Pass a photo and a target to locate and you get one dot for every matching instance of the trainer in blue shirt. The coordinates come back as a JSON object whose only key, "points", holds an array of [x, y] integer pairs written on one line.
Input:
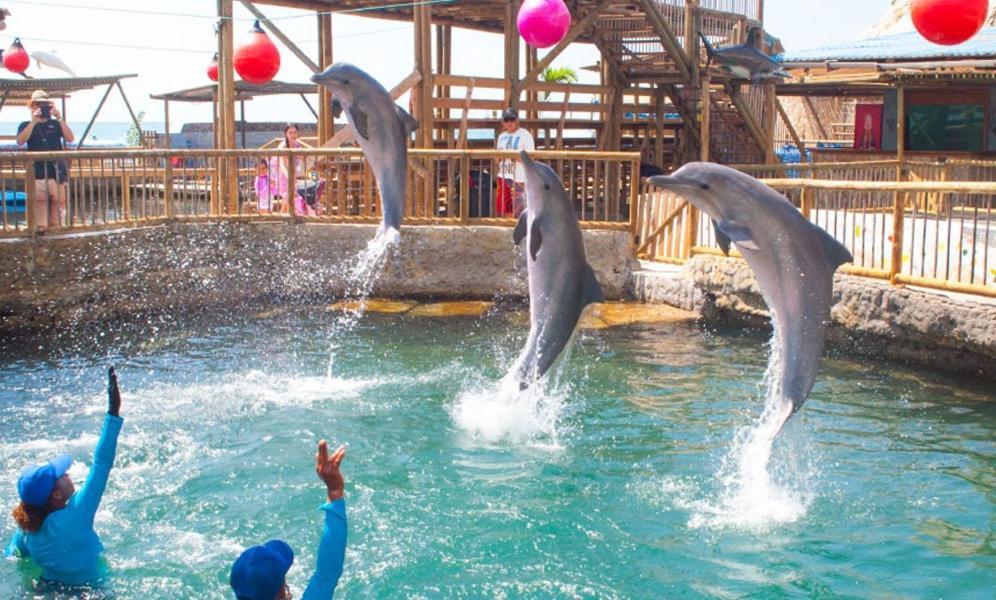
{"points": [[260, 572], [55, 523]]}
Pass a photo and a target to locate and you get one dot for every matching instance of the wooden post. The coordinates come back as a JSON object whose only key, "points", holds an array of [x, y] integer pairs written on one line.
{"points": [[227, 175], [659, 123], [806, 202], [423, 95], [512, 52], [166, 115], [770, 99], [692, 38], [168, 188], [326, 120], [532, 97], [464, 188], [29, 196], [634, 201], [705, 110], [899, 198], [291, 185]]}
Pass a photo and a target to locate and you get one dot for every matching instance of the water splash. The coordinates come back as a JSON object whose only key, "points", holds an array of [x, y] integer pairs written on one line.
{"points": [[359, 276], [756, 487]]}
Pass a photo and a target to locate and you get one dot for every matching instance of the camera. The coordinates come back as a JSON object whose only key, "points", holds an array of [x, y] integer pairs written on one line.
{"points": [[46, 110]]}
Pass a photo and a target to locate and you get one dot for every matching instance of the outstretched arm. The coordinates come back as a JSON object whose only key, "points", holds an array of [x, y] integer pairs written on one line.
{"points": [[332, 548], [88, 498]]}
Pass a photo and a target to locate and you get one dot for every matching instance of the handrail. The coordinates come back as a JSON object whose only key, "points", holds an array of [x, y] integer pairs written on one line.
{"points": [[298, 152]]}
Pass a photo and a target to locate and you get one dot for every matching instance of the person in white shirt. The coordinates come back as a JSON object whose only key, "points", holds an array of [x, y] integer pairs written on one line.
{"points": [[511, 200]]}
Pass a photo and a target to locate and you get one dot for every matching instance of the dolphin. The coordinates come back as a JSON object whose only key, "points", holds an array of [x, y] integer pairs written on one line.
{"points": [[561, 283], [793, 260], [382, 129], [744, 61], [49, 59]]}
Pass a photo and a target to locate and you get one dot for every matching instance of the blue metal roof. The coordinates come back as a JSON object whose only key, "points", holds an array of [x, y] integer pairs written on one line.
{"points": [[901, 46]]}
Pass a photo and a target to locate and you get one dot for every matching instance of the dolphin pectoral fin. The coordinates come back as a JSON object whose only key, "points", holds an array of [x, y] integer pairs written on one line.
{"points": [[721, 239], [737, 233], [592, 290], [521, 228], [535, 239], [408, 122], [359, 119], [835, 252]]}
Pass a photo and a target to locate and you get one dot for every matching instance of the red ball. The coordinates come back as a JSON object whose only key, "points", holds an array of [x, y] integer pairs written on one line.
{"points": [[543, 23], [16, 58], [212, 69], [949, 22], [257, 59]]}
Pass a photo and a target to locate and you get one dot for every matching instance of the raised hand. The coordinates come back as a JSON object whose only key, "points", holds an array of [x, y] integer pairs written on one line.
{"points": [[113, 395], [327, 468]]}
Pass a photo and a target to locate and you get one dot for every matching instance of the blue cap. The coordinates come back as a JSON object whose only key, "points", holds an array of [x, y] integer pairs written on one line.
{"points": [[37, 481], [259, 573]]}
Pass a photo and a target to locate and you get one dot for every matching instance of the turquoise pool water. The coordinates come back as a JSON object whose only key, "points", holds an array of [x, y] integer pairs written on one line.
{"points": [[626, 480]]}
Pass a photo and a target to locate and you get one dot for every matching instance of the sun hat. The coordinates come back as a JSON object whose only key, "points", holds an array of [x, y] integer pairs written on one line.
{"points": [[40, 96], [37, 481], [260, 572]]}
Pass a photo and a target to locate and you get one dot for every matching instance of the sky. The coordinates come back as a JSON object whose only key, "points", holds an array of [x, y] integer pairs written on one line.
{"points": [[169, 43]]}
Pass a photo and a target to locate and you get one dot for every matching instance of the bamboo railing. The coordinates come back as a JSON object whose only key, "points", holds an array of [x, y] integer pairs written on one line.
{"points": [[938, 233], [112, 188]]}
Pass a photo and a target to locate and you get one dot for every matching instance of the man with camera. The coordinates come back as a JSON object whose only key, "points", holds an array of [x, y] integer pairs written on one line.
{"points": [[45, 133]]}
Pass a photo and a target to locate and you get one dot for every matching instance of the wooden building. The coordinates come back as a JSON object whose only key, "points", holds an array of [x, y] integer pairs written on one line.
{"points": [[654, 94]]}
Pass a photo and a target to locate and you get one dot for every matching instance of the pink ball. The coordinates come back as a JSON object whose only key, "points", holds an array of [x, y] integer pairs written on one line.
{"points": [[543, 23]]}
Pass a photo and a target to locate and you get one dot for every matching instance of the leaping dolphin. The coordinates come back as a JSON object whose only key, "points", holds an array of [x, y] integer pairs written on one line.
{"points": [[382, 129], [745, 61], [561, 283], [793, 260], [49, 59]]}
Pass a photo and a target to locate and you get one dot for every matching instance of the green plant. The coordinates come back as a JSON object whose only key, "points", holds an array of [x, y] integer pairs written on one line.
{"points": [[559, 75], [134, 136]]}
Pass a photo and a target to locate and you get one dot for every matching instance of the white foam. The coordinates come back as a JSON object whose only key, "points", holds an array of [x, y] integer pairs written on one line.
{"points": [[500, 411]]}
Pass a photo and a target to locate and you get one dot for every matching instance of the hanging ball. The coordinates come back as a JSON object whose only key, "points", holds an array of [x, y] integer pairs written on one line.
{"points": [[212, 68], [16, 58], [257, 59], [949, 22], [544, 23]]}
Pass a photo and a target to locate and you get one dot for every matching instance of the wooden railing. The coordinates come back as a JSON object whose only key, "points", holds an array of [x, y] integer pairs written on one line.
{"points": [[135, 187], [938, 234]]}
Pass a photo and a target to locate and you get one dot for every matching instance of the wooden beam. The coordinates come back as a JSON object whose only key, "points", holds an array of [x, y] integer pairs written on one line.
{"points": [[574, 33], [791, 129], [423, 64], [768, 128], [815, 116], [512, 46], [705, 110], [227, 171], [304, 58], [93, 119], [462, 140], [748, 118], [668, 39], [326, 120], [346, 134]]}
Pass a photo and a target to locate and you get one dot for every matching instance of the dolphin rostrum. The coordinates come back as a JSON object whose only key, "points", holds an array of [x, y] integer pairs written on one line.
{"points": [[382, 129], [793, 260], [745, 61], [561, 283]]}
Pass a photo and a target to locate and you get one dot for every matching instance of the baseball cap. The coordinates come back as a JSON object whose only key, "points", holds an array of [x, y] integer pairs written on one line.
{"points": [[37, 481], [510, 114], [259, 573]]}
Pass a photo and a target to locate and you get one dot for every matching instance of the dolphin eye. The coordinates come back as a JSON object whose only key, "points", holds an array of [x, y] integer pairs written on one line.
{"points": [[704, 186], [546, 186]]}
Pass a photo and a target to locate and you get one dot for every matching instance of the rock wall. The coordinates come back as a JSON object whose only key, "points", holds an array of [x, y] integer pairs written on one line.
{"points": [[869, 318], [180, 268]]}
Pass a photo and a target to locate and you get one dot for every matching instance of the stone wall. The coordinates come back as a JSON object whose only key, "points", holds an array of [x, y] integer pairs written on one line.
{"points": [[870, 318], [67, 280]]}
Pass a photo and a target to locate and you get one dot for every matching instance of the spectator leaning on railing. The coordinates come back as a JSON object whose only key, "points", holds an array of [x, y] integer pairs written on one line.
{"points": [[45, 133]]}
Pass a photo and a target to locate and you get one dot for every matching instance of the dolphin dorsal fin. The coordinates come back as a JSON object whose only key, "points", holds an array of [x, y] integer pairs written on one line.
{"points": [[592, 290], [521, 228], [835, 252], [408, 122], [359, 119]]}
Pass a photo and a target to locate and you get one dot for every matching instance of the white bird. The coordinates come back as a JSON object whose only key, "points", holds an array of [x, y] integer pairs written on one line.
{"points": [[49, 59]]}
